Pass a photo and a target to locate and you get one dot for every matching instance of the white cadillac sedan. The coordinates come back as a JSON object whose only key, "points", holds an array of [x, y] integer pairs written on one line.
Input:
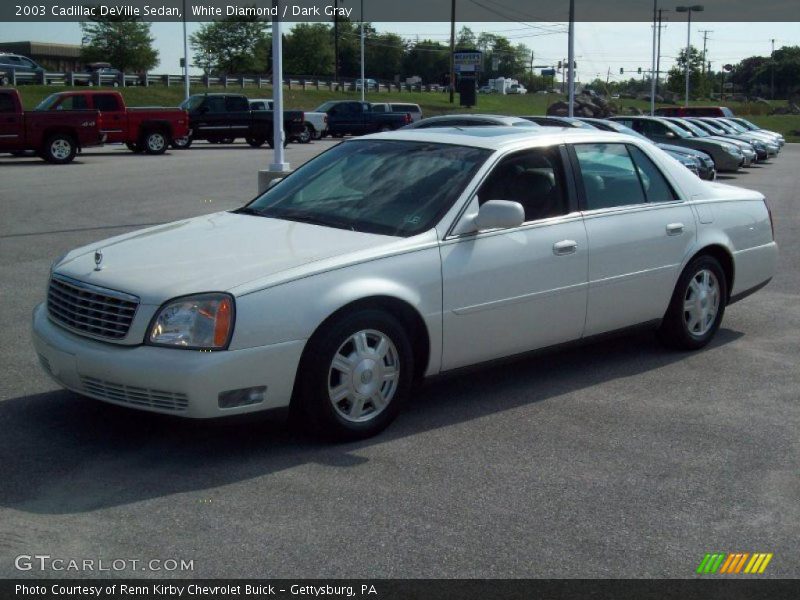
{"points": [[397, 256]]}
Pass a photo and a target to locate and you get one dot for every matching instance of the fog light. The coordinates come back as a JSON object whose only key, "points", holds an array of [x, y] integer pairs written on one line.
{"points": [[242, 397]]}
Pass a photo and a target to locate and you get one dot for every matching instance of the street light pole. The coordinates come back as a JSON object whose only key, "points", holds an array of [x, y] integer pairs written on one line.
{"points": [[363, 81], [653, 67], [571, 58], [185, 57], [689, 9], [278, 163], [452, 50]]}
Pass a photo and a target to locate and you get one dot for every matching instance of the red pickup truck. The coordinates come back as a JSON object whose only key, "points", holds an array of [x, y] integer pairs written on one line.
{"points": [[55, 137], [149, 130]]}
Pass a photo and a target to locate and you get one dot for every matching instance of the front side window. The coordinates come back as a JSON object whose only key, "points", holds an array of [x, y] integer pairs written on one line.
{"points": [[385, 187], [609, 176], [236, 104], [534, 178]]}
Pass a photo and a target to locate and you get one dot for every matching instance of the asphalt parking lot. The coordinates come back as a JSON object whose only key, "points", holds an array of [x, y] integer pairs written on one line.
{"points": [[615, 459]]}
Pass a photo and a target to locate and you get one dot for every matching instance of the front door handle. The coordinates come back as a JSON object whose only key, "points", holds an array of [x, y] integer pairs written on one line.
{"points": [[565, 247], [675, 229]]}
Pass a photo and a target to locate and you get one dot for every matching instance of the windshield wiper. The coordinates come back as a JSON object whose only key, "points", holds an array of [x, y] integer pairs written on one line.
{"points": [[246, 210], [304, 217]]}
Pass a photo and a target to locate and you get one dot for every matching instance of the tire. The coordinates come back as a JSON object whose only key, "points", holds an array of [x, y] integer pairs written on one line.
{"points": [[255, 142], [182, 143], [697, 305], [136, 148], [306, 135], [346, 407], [384, 129], [227, 140], [317, 135], [59, 149], [154, 142]]}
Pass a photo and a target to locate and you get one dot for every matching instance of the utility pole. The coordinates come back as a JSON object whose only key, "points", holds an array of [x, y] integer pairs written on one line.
{"points": [[705, 33], [363, 81], [658, 53], [186, 57], [772, 72], [452, 50]]}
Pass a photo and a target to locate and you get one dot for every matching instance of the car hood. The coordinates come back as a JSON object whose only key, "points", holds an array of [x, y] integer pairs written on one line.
{"points": [[216, 252], [683, 150]]}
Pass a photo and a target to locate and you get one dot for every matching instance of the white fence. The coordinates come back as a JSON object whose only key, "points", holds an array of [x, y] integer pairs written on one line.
{"points": [[14, 78]]}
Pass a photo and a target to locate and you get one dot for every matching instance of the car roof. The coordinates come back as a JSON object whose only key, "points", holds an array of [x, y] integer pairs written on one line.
{"points": [[473, 117], [501, 137]]}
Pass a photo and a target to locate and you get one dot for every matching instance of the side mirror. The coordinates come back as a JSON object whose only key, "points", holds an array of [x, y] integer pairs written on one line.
{"points": [[499, 214]]}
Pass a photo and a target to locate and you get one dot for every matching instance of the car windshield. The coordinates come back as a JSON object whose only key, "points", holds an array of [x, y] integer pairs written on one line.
{"points": [[735, 126], [325, 107], [48, 102], [710, 127], [691, 127], [387, 187], [191, 103], [749, 124]]}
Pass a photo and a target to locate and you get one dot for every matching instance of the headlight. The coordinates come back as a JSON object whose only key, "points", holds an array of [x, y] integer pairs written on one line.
{"points": [[731, 149], [203, 321]]}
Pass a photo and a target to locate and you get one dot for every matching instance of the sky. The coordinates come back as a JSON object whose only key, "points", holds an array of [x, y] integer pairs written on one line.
{"points": [[599, 47]]}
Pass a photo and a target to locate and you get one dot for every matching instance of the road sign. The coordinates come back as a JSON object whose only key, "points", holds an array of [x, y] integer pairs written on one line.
{"points": [[548, 72], [467, 61]]}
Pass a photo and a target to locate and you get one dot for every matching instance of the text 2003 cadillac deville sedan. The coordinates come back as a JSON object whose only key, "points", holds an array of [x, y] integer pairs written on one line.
{"points": [[397, 256]]}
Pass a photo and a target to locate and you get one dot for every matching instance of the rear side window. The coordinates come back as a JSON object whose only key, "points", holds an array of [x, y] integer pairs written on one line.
{"points": [[236, 104], [656, 187], [411, 108], [609, 176], [379, 108], [105, 102], [6, 103]]}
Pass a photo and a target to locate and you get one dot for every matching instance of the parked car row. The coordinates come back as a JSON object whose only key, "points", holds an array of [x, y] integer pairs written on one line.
{"points": [[704, 145]]}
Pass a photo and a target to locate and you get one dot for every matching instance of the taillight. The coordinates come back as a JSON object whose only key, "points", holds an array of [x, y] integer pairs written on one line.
{"points": [[408, 117], [771, 222]]}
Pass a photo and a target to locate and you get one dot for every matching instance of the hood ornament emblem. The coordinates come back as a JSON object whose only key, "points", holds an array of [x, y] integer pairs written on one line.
{"points": [[98, 260]]}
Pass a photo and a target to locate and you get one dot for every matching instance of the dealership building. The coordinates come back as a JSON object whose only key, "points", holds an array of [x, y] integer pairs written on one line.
{"points": [[53, 57]]}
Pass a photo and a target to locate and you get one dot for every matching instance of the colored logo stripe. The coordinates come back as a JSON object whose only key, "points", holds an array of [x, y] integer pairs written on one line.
{"points": [[734, 562]]}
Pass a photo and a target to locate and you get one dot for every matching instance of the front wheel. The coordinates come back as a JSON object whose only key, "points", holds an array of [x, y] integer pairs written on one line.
{"points": [[155, 142], [59, 149], [697, 306], [355, 375], [182, 143], [136, 148]]}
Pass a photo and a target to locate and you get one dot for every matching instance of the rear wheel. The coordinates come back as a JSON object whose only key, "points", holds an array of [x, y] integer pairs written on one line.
{"points": [[355, 375], [306, 135], [697, 306], [155, 142], [59, 149], [255, 142]]}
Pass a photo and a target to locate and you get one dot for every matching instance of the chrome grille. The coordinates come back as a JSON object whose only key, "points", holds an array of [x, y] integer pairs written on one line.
{"points": [[135, 396], [89, 309]]}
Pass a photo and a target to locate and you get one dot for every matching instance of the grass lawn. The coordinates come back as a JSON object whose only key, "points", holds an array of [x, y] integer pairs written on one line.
{"points": [[432, 103]]}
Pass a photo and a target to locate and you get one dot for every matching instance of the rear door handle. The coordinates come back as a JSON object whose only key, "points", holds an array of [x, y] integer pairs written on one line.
{"points": [[675, 229], [565, 247]]}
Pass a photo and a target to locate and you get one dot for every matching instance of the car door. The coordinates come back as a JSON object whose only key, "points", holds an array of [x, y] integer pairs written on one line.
{"points": [[10, 123], [114, 117], [509, 291], [210, 120], [240, 116], [639, 232]]}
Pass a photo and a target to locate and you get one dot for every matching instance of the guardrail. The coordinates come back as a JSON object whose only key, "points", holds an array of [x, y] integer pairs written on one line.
{"points": [[13, 77]]}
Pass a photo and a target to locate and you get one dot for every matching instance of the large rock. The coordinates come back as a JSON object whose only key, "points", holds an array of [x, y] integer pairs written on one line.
{"points": [[585, 106]]}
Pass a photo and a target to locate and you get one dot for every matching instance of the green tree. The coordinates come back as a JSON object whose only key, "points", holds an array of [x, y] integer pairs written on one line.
{"points": [[429, 60], [676, 77], [308, 49], [384, 55], [231, 46], [126, 44], [466, 40]]}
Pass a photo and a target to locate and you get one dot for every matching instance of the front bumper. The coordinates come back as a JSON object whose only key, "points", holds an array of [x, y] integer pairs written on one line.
{"points": [[184, 383]]}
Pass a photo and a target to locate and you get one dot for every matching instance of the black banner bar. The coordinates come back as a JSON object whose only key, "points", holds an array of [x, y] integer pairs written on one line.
{"points": [[414, 589], [530, 11]]}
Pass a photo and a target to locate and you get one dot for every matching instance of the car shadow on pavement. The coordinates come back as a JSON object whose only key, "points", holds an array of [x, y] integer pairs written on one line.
{"points": [[67, 454]]}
